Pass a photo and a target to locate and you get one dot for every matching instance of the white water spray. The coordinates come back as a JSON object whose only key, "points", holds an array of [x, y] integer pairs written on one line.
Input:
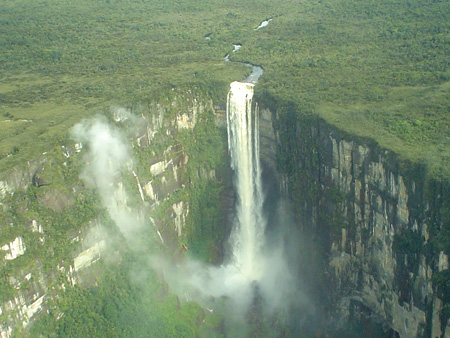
{"points": [[246, 265], [247, 237], [253, 266]]}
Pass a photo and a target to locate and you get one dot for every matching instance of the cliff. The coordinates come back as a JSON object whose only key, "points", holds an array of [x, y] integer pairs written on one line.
{"points": [[56, 226], [378, 222], [377, 225]]}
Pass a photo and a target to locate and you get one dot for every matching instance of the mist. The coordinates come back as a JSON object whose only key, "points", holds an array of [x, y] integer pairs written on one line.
{"points": [[276, 295], [272, 288], [256, 280], [108, 157]]}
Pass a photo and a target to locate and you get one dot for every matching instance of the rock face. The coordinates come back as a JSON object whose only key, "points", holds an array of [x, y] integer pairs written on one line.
{"points": [[381, 226], [268, 151], [378, 221], [20, 177], [160, 173], [14, 249]]}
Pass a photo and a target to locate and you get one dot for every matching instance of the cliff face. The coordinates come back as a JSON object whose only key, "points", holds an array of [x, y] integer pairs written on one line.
{"points": [[41, 256], [381, 227], [379, 224]]}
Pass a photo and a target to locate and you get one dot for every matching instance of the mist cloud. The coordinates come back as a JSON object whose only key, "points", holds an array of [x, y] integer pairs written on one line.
{"points": [[108, 156]]}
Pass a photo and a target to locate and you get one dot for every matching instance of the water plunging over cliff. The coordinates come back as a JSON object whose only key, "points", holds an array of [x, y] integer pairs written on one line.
{"points": [[243, 142]]}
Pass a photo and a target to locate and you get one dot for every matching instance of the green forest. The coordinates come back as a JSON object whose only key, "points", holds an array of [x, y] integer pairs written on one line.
{"points": [[377, 70]]}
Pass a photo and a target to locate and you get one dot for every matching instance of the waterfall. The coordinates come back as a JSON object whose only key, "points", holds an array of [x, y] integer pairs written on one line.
{"points": [[247, 237], [254, 270]]}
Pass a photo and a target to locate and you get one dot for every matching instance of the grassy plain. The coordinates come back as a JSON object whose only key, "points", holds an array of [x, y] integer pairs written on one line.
{"points": [[378, 70], [62, 61], [373, 69]]}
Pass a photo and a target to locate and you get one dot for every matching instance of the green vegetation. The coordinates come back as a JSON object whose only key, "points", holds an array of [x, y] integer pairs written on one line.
{"points": [[377, 70], [205, 235], [408, 243], [442, 282], [63, 61], [116, 306], [205, 148], [56, 207]]}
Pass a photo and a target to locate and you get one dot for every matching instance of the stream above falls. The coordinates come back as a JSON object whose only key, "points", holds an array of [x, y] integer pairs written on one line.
{"points": [[257, 71]]}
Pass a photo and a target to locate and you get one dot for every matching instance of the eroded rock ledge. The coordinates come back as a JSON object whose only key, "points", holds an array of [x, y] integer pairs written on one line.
{"points": [[377, 221]]}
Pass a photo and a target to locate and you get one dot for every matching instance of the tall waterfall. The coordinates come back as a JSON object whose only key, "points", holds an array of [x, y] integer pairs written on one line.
{"points": [[254, 268], [243, 142]]}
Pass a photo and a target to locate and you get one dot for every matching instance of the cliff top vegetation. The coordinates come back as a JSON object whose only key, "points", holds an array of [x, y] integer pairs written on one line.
{"points": [[374, 69]]}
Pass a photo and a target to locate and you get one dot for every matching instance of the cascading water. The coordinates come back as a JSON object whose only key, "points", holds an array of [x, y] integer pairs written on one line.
{"points": [[243, 142], [255, 282], [256, 273], [235, 280]]}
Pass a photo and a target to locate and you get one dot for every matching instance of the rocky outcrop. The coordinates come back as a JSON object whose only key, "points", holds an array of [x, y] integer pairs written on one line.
{"points": [[18, 178], [268, 145], [377, 221], [158, 173]]}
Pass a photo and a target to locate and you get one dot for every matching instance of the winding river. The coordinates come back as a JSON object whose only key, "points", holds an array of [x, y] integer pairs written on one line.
{"points": [[257, 71]]}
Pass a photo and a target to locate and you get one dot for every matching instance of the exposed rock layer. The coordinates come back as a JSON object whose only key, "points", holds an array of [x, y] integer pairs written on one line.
{"points": [[162, 175], [376, 220]]}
